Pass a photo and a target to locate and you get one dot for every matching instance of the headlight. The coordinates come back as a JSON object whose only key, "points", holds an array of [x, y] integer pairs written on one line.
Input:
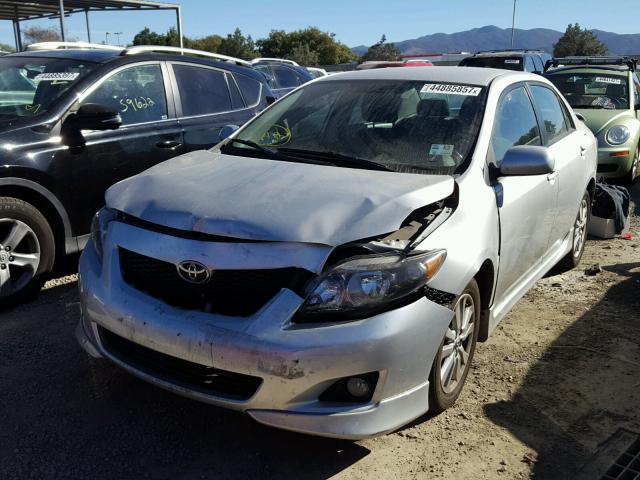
{"points": [[99, 227], [369, 284], [617, 135]]}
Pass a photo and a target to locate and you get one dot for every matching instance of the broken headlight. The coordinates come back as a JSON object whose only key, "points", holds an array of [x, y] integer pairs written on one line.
{"points": [[369, 284], [99, 227]]}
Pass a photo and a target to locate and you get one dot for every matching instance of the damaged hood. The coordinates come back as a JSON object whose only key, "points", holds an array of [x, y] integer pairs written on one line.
{"points": [[256, 199]]}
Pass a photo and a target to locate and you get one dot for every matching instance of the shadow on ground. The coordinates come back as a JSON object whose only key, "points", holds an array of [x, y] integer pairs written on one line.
{"points": [[585, 386], [65, 415]]}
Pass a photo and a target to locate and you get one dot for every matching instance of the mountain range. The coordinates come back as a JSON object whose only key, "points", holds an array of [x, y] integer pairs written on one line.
{"points": [[492, 37]]}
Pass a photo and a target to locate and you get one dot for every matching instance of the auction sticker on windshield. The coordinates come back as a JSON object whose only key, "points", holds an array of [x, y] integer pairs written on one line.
{"points": [[614, 81], [451, 89], [440, 149], [51, 77]]}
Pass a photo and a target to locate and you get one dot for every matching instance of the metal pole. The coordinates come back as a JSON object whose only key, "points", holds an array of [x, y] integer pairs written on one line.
{"points": [[62, 34], [86, 17], [19, 36], [106, 38], [16, 30], [179, 20], [513, 23]]}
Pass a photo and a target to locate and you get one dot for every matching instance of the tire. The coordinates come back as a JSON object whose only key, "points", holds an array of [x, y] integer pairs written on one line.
{"points": [[572, 259], [27, 251], [631, 176], [444, 390]]}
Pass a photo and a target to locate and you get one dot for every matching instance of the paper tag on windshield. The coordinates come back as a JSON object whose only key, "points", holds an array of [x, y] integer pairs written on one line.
{"points": [[614, 81], [450, 89], [512, 60], [52, 76], [441, 149]]}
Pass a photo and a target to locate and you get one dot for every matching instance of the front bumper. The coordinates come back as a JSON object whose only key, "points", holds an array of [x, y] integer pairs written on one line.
{"points": [[613, 162], [295, 363]]}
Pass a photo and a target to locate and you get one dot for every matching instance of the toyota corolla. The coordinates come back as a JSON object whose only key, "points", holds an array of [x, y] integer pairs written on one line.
{"points": [[329, 267]]}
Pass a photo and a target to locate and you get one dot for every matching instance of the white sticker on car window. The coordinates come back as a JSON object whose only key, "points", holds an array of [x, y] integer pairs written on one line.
{"points": [[450, 89], [53, 76], [614, 81], [441, 149], [512, 60]]}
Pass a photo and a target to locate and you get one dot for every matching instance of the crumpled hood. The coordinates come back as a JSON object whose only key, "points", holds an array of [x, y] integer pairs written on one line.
{"points": [[598, 120], [256, 199]]}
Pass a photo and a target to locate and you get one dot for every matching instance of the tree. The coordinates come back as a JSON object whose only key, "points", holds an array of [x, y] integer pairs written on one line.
{"points": [[578, 41], [38, 34], [311, 43], [382, 51], [6, 48], [304, 55], [237, 45], [147, 37]]}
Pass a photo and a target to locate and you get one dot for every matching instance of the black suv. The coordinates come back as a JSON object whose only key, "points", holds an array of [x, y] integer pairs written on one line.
{"points": [[532, 61], [73, 122]]}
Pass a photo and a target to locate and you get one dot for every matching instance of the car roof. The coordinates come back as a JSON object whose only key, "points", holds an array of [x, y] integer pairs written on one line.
{"points": [[466, 75], [104, 56]]}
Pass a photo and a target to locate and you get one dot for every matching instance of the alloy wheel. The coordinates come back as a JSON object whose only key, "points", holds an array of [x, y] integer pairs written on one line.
{"points": [[458, 342], [19, 255], [580, 228]]}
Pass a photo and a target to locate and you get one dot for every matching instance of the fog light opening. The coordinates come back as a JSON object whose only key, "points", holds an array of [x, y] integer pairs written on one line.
{"points": [[354, 389], [358, 387]]}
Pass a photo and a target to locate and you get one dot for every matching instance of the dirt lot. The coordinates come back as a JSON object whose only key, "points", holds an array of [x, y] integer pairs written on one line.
{"points": [[559, 376]]}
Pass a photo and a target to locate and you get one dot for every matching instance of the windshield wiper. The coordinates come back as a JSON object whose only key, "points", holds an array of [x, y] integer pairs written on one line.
{"points": [[338, 159], [276, 154]]}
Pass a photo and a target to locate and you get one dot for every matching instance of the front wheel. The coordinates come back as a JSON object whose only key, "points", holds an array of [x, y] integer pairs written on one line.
{"points": [[451, 365], [27, 251]]}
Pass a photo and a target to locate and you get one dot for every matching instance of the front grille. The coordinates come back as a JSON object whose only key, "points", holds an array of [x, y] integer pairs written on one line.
{"points": [[238, 293], [193, 376]]}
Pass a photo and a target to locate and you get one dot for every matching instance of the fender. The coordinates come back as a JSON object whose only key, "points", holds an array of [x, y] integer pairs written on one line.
{"points": [[70, 242]]}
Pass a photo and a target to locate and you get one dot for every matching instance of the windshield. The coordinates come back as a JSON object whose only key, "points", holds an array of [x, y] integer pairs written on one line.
{"points": [[404, 126], [607, 89], [506, 63], [28, 86]]}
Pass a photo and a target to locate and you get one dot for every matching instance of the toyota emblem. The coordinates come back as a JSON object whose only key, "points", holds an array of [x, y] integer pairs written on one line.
{"points": [[193, 272]]}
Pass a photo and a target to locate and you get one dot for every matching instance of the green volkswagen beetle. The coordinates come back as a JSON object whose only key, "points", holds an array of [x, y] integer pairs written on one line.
{"points": [[605, 92]]}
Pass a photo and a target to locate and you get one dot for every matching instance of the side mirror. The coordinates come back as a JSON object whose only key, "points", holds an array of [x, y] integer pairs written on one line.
{"points": [[92, 116], [270, 99], [581, 117], [527, 160], [226, 131]]}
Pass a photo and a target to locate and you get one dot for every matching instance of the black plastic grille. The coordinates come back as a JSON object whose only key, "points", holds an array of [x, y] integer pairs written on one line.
{"points": [[229, 292], [627, 467], [180, 372]]}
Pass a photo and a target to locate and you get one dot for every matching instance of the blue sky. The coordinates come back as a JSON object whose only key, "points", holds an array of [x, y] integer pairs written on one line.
{"points": [[354, 22]]}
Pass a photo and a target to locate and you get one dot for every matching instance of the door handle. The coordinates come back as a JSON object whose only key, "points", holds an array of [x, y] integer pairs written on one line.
{"points": [[168, 144], [551, 177], [583, 150]]}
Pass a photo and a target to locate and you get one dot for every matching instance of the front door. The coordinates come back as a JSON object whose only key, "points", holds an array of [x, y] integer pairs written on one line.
{"points": [[526, 204], [149, 135]]}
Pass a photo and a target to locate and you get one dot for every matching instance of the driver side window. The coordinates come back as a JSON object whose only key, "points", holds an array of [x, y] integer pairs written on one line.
{"points": [[515, 124], [137, 93]]}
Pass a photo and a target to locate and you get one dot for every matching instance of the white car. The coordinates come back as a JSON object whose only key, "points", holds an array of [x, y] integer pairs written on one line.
{"points": [[330, 267]]}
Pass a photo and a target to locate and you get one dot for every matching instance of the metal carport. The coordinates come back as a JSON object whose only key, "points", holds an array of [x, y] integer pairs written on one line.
{"points": [[17, 11]]}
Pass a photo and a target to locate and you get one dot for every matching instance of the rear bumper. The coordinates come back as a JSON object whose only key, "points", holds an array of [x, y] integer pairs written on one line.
{"points": [[296, 363]]}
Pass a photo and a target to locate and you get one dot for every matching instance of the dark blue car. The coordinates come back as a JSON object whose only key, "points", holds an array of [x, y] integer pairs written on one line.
{"points": [[282, 75]]}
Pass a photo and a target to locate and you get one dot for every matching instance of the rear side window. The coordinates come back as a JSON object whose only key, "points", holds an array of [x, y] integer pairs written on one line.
{"points": [[529, 66], [136, 92], [236, 98], [515, 124], [538, 63], [250, 89], [286, 77], [202, 90], [553, 117]]}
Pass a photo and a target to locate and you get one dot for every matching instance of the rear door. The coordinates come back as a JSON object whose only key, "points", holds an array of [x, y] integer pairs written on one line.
{"points": [[149, 135], [526, 204], [207, 99], [568, 147]]}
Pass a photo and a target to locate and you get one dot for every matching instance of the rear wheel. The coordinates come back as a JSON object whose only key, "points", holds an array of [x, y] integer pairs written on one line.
{"points": [[451, 365], [27, 251], [572, 259]]}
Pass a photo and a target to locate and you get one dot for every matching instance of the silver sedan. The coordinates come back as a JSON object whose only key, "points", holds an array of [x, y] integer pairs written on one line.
{"points": [[329, 267]]}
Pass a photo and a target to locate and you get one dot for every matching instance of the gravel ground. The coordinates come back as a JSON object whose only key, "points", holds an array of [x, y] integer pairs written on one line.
{"points": [[559, 376]]}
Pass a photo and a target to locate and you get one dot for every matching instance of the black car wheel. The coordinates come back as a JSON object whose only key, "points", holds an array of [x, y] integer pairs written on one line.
{"points": [[27, 251]]}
